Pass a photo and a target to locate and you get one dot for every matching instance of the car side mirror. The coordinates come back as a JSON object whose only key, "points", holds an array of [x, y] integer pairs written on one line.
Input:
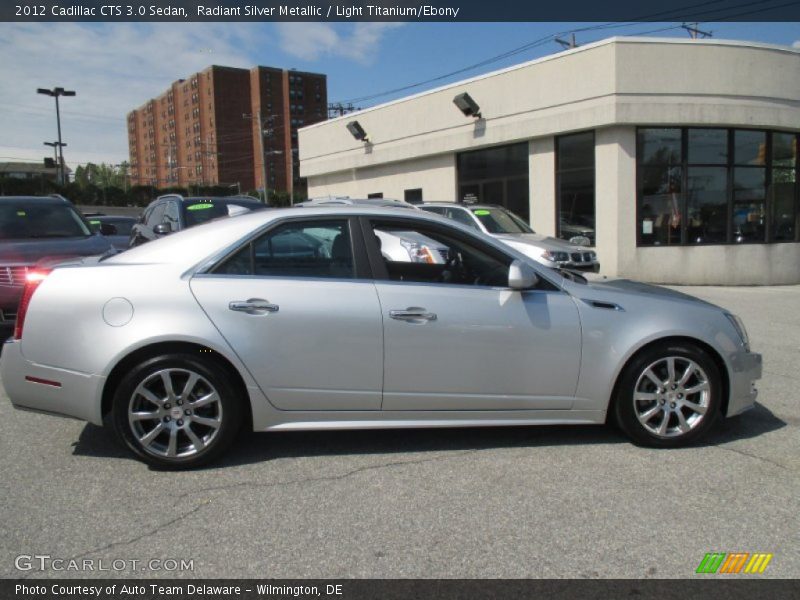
{"points": [[521, 276], [162, 229], [108, 229]]}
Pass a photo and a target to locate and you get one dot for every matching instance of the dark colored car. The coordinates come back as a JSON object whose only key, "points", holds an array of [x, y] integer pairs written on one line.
{"points": [[33, 230], [116, 228], [171, 213]]}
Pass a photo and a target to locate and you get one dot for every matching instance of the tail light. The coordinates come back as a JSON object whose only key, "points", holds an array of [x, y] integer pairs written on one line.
{"points": [[32, 281]]}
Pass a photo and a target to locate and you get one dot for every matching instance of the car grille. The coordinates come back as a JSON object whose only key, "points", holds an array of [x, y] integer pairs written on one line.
{"points": [[580, 257], [13, 276], [7, 316]]}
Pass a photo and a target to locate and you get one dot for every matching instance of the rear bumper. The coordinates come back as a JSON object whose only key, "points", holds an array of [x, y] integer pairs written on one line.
{"points": [[31, 386], [746, 369]]}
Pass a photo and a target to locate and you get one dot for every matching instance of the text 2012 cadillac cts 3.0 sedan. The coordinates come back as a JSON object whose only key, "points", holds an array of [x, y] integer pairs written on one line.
{"points": [[294, 319]]}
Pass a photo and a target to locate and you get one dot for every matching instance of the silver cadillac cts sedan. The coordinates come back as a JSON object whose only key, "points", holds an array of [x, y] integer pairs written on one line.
{"points": [[294, 319]]}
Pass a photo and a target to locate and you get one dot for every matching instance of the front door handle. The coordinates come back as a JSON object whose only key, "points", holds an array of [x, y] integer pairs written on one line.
{"points": [[412, 313], [253, 306]]}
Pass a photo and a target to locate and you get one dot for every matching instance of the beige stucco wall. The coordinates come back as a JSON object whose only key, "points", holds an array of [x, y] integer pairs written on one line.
{"points": [[609, 87], [436, 175]]}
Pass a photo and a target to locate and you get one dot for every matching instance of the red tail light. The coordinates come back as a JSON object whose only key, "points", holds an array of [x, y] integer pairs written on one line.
{"points": [[32, 281]]}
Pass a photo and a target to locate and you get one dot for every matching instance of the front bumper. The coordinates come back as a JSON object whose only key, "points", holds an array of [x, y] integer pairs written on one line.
{"points": [[77, 395], [746, 368]]}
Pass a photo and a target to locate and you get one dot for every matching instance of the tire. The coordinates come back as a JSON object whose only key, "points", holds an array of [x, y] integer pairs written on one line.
{"points": [[189, 427], [660, 408]]}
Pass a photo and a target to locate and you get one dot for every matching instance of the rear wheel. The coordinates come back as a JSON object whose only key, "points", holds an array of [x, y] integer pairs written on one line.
{"points": [[669, 396], [177, 411]]}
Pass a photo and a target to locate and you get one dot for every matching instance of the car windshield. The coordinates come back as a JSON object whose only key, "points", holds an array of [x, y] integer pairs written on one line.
{"points": [[20, 220], [499, 220], [203, 211]]}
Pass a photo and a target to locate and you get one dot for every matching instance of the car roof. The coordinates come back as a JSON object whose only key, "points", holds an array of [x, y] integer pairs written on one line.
{"points": [[462, 205], [342, 201], [42, 200], [243, 200]]}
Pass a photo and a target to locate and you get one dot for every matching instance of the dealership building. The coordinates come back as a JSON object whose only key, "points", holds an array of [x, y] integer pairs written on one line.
{"points": [[676, 158]]}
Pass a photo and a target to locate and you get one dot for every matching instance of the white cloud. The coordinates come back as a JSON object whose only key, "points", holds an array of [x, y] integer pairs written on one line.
{"points": [[796, 44], [113, 68], [312, 41]]}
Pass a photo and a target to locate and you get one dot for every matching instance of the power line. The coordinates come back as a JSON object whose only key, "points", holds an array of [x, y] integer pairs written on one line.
{"points": [[611, 25]]}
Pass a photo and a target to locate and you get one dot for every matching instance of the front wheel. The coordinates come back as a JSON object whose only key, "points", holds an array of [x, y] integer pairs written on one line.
{"points": [[669, 396], [176, 411]]}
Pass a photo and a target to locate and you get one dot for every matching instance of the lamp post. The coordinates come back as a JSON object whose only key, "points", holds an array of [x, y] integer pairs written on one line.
{"points": [[55, 93]]}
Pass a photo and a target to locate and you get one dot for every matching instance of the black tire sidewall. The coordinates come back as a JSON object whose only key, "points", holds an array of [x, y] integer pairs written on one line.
{"points": [[624, 413], [217, 376]]}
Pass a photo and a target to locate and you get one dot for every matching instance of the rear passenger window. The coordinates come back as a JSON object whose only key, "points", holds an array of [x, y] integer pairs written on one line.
{"points": [[297, 249]]}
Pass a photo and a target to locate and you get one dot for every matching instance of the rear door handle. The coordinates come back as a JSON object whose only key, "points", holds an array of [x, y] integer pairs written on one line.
{"points": [[412, 313], [253, 306]]}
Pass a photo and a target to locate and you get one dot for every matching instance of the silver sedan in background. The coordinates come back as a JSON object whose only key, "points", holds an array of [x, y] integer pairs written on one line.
{"points": [[294, 319]]}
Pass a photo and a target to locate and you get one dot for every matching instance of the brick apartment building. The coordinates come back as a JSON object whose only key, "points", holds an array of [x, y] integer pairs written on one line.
{"points": [[196, 133]]}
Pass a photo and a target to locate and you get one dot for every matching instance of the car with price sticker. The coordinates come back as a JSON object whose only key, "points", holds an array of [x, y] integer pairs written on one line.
{"points": [[173, 212]]}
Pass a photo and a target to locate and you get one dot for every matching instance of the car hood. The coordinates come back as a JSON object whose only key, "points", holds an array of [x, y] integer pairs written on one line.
{"points": [[628, 287], [539, 241], [31, 251]]}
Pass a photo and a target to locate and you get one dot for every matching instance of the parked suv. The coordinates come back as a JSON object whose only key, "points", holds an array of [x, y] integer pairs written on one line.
{"points": [[507, 227], [35, 229], [171, 213]]}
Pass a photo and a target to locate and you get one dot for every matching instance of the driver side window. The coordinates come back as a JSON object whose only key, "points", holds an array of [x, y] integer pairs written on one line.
{"points": [[417, 253]]}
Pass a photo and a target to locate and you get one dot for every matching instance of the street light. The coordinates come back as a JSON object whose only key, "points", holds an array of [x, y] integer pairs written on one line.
{"points": [[55, 93]]}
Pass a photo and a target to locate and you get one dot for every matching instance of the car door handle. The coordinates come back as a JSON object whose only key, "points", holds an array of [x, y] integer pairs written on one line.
{"points": [[412, 313], [253, 306]]}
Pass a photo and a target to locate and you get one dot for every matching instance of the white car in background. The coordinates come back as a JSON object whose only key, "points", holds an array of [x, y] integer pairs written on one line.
{"points": [[507, 227]]}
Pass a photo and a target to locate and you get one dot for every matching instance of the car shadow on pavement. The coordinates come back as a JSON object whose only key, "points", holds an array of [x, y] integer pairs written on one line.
{"points": [[259, 447]]}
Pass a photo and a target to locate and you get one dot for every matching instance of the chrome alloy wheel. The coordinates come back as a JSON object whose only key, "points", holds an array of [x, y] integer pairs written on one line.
{"points": [[175, 413], [671, 396]]}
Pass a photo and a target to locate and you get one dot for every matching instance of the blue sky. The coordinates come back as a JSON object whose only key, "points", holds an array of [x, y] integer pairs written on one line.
{"points": [[116, 67]]}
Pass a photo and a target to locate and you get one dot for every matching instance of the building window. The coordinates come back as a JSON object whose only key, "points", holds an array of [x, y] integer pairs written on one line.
{"points": [[375, 195], [413, 196], [497, 175], [716, 186], [575, 206]]}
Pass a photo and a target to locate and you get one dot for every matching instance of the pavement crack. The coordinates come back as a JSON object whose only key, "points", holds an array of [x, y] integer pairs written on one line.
{"points": [[756, 456], [340, 476], [138, 537]]}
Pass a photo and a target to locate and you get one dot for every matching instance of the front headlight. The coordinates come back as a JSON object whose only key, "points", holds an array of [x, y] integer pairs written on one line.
{"points": [[738, 325], [557, 257]]}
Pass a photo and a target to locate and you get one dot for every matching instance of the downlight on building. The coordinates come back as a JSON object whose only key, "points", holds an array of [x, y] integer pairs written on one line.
{"points": [[676, 158]]}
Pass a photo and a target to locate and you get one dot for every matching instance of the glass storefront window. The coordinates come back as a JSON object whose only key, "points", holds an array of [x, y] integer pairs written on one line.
{"points": [[497, 175], [750, 147], [575, 184], [659, 146], [733, 186], [661, 205], [708, 146], [783, 191], [784, 150], [707, 200]]}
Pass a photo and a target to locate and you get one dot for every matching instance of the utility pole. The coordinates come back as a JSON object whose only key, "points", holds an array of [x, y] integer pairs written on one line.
{"points": [[55, 93], [694, 32], [568, 44]]}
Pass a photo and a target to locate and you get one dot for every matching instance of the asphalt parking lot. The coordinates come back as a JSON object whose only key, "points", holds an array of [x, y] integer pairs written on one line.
{"points": [[487, 503]]}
